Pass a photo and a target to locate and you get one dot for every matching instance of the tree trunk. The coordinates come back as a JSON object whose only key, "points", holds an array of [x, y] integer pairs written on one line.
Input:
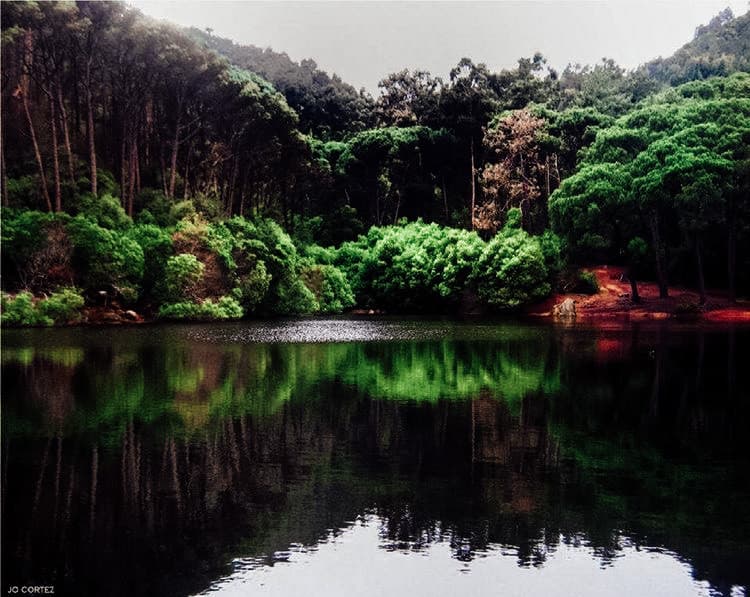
{"points": [[3, 171], [137, 169], [163, 170], [187, 173], [131, 177], [732, 262], [699, 267], [473, 185], [90, 128], [659, 253], [55, 157], [123, 170], [445, 201], [173, 161], [24, 89], [66, 133], [635, 298]]}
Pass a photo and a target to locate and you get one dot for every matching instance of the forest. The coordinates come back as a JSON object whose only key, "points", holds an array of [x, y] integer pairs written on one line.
{"points": [[179, 175]]}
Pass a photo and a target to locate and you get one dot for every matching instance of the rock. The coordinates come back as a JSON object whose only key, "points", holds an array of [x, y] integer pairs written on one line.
{"points": [[131, 315], [565, 310]]}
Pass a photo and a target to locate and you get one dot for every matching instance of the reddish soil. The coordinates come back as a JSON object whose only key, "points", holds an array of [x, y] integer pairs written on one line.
{"points": [[612, 302]]}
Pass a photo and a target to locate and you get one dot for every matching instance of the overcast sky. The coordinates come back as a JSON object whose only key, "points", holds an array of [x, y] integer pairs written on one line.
{"points": [[364, 41]]}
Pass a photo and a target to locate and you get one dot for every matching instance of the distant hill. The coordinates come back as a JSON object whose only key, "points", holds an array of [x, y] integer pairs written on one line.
{"points": [[719, 48], [326, 105]]}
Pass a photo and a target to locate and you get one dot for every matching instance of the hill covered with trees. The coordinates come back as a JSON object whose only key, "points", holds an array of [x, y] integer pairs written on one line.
{"points": [[176, 173]]}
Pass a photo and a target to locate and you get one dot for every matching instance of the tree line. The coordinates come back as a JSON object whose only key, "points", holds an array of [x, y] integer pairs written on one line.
{"points": [[122, 121]]}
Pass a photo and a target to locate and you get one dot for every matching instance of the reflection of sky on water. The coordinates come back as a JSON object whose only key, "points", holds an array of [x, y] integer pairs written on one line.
{"points": [[381, 456], [354, 562]]}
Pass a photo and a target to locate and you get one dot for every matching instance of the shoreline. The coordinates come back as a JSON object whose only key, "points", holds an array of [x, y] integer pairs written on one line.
{"points": [[610, 305]]}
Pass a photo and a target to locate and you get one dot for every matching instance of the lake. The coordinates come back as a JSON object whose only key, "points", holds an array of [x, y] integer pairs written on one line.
{"points": [[377, 456]]}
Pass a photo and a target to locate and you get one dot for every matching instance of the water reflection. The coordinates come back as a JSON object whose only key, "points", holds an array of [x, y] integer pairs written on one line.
{"points": [[155, 461]]}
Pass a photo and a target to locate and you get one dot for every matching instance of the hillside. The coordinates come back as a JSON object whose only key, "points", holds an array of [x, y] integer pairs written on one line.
{"points": [[718, 49], [326, 105]]}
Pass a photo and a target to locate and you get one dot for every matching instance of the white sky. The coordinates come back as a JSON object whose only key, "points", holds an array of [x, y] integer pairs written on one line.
{"points": [[364, 41]]}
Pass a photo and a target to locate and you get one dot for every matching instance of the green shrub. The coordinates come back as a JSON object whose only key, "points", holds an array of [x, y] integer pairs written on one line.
{"points": [[62, 306], [105, 210], [587, 283], [154, 208], [104, 257], [21, 311], [252, 286], [23, 191], [156, 244], [412, 266], [23, 233], [553, 250], [511, 271], [316, 254], [182, 274], [225, 308], [36, 248], [182, 210], [330, 288], [294, 298], [264, 241]]}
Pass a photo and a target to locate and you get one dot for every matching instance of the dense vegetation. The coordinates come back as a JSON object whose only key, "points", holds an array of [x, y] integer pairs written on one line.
{"points": [[186, 176]]}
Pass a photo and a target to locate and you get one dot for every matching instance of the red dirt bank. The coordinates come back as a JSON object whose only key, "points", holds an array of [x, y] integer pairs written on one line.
{"points": [[612, 302]]}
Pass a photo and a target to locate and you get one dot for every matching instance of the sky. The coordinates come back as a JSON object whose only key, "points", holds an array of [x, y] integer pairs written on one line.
{"points": [[363, 42]]}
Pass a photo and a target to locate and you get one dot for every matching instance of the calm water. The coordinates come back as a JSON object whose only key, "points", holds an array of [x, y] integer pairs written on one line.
{"points": [[376, 457]]}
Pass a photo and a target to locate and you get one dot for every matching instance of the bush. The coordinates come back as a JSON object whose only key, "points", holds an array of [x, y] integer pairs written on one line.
{"points": [[154, 208], [21, 311], [294, 298], [511, 271], [412, 266], [252, 286], [105, 210], [23, 191], [587, 283], [62, 306], [225, 308], [105, 257], [553, 250], [36, 247], [182, 275], [330, 288], [156, 244]]}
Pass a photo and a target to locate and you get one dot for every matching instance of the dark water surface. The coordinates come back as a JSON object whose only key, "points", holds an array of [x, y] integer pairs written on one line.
{"points": [[377, 457]]}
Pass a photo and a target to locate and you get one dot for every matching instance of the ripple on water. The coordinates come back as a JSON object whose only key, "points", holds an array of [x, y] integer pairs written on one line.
{"points": [[328, 330]]}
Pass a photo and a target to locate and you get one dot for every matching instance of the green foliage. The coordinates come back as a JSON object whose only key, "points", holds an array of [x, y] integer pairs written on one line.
{"points": [[62, 306], [587, 283], [667, 172], [511, 271], [156, 244], [553, 250], [23, 232], [411, 266], [105, 210], [294, 298], [330, 287], [182, 274], [23, 191], [104, 257], [253, 285], [224, 308], [155, 208], [21, 311]]}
